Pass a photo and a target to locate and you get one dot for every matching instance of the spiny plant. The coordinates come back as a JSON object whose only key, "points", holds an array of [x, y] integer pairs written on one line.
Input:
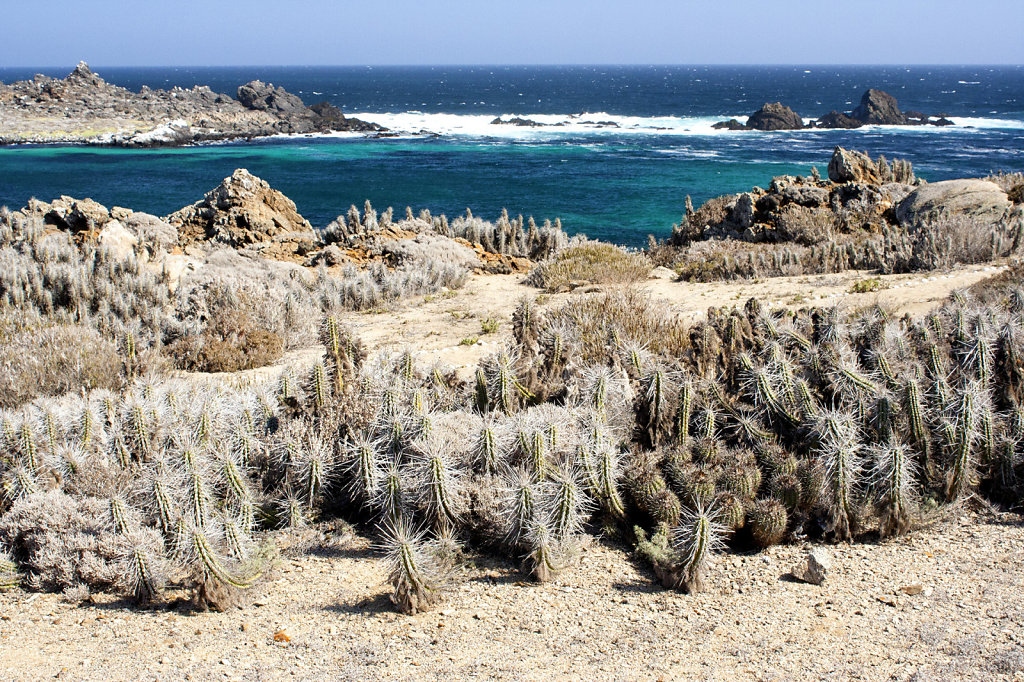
{"points": [[415, 570]]}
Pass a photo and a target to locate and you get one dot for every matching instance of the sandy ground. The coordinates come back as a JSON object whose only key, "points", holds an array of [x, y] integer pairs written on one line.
{"points": [[944, 603], [448, 326]]}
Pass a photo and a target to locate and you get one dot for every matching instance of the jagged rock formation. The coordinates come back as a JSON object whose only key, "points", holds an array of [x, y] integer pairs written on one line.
{"points": [[243, 211], [775, 116], [83, 108], [879, 108], [876, 108], [852, 166]]}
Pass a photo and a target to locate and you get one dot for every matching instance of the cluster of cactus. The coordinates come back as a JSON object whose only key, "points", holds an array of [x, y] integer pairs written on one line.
{"points": [[759, 426], [172, 474], [507, 236]]}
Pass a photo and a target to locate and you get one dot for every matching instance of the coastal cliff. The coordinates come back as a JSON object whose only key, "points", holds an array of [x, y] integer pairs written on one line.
{"points": [[84, 108]]}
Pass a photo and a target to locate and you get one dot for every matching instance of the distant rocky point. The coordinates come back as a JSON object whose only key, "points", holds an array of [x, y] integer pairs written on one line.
{"points": [[82, 108], [876, 108]]}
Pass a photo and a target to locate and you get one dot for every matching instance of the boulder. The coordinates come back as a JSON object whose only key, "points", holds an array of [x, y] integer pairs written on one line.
{"points": [[836, 119], [815, 567], [242, 211], [981, 200], [115, 237], [151, 231], [731, 124], [879, 108], [851, 166], [68, 213], [775, 116], [265, 97]]}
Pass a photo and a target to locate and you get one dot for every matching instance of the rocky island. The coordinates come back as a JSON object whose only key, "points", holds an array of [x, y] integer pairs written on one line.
{"points": [[82, 108], [876, 107]]}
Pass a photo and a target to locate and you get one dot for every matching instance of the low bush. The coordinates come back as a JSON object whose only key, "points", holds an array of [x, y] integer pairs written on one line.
{"points": [[590, 262]]}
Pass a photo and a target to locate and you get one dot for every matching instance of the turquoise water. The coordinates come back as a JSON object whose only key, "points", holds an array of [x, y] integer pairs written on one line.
{"points": [[618, 184]]}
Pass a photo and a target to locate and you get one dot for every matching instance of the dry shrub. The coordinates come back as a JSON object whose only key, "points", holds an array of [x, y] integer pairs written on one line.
{"points": [[712, 212], [804, 225], [430, 248], [1008, 182], [231, 339], [604, 320], [590, 262], [40, 358]]}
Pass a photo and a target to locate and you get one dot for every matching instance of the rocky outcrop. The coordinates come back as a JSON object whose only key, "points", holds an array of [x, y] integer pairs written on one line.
{"points": [[836, 119], [980, 200], [876, 108], [83, 108], [262, 96], [244, 211], [731, 124], [68, 213], [879, 108], [775, 116], [852, 166]]}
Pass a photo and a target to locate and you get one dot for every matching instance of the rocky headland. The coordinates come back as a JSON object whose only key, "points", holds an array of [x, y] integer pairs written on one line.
{"points": [[876, 108], [82, 108]]}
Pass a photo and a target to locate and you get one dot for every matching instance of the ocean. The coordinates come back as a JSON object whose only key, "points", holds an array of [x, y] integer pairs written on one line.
{"points": [[617, 183]]}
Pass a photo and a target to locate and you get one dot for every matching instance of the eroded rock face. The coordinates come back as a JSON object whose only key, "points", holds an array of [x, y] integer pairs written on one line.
{"points": [[879, 108], [775, 116], [851, 166], [68, 213], [244, 210], [981, 200], [265, 97]]}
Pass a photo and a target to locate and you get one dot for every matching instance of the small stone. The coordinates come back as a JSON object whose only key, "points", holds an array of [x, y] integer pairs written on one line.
{"points": [[912, 589], [814, 568], [282, 636]]}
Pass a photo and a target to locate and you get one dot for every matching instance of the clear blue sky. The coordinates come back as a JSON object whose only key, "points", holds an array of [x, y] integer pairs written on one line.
{"points": [[292, 32]]}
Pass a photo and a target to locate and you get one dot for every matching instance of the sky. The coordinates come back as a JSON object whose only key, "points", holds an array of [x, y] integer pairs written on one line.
{"points": [[322, 32]]}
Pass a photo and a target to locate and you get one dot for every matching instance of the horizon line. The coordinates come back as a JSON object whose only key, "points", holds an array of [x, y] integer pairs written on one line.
{"points": [[530, 65]]}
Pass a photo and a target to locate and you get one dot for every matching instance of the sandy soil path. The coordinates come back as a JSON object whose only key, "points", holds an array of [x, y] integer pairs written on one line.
{"points": [[603, 620]]}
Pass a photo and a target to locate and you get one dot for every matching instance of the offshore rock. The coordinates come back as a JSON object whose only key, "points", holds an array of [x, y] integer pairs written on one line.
{"points": [[731, 124], [775, 116], [839, 120], [245, 211], [879, 108]]}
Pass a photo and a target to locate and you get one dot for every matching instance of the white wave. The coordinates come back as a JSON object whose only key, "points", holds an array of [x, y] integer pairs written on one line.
{"points": [[598, 123], [551, 125]]}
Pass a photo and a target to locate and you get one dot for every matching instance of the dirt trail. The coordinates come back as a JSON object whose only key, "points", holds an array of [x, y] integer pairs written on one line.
{"points": [[602, 620]]}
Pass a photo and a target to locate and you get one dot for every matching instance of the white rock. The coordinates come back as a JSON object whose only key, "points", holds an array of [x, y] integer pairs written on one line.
{"points": [[118, 239], [815, 566]]}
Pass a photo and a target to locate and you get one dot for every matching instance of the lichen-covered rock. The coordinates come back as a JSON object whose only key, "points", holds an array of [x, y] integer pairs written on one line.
{"points": [[814, 568], [978, 199], [244, 210]]}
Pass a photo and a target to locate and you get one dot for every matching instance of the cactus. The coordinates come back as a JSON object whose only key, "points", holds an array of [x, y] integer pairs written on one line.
{"points": [[768, 521], [414, 570], [838, 451], [9, 575], [698, 536], [892, 478]]}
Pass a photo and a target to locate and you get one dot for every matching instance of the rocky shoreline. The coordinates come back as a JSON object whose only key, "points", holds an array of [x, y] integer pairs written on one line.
{"points": [[82, 108], [876, 107]]}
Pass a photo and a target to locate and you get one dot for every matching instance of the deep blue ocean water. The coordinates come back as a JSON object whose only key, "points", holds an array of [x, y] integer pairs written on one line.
{"points": [[614, 183]]}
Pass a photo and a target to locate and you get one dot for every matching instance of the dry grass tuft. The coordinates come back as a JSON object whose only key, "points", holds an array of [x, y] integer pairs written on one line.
{"points": [[590, 263]]}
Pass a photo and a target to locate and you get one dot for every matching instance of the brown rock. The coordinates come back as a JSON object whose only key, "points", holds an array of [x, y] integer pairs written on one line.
{"points": [[245, 211], [851, 166]]}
